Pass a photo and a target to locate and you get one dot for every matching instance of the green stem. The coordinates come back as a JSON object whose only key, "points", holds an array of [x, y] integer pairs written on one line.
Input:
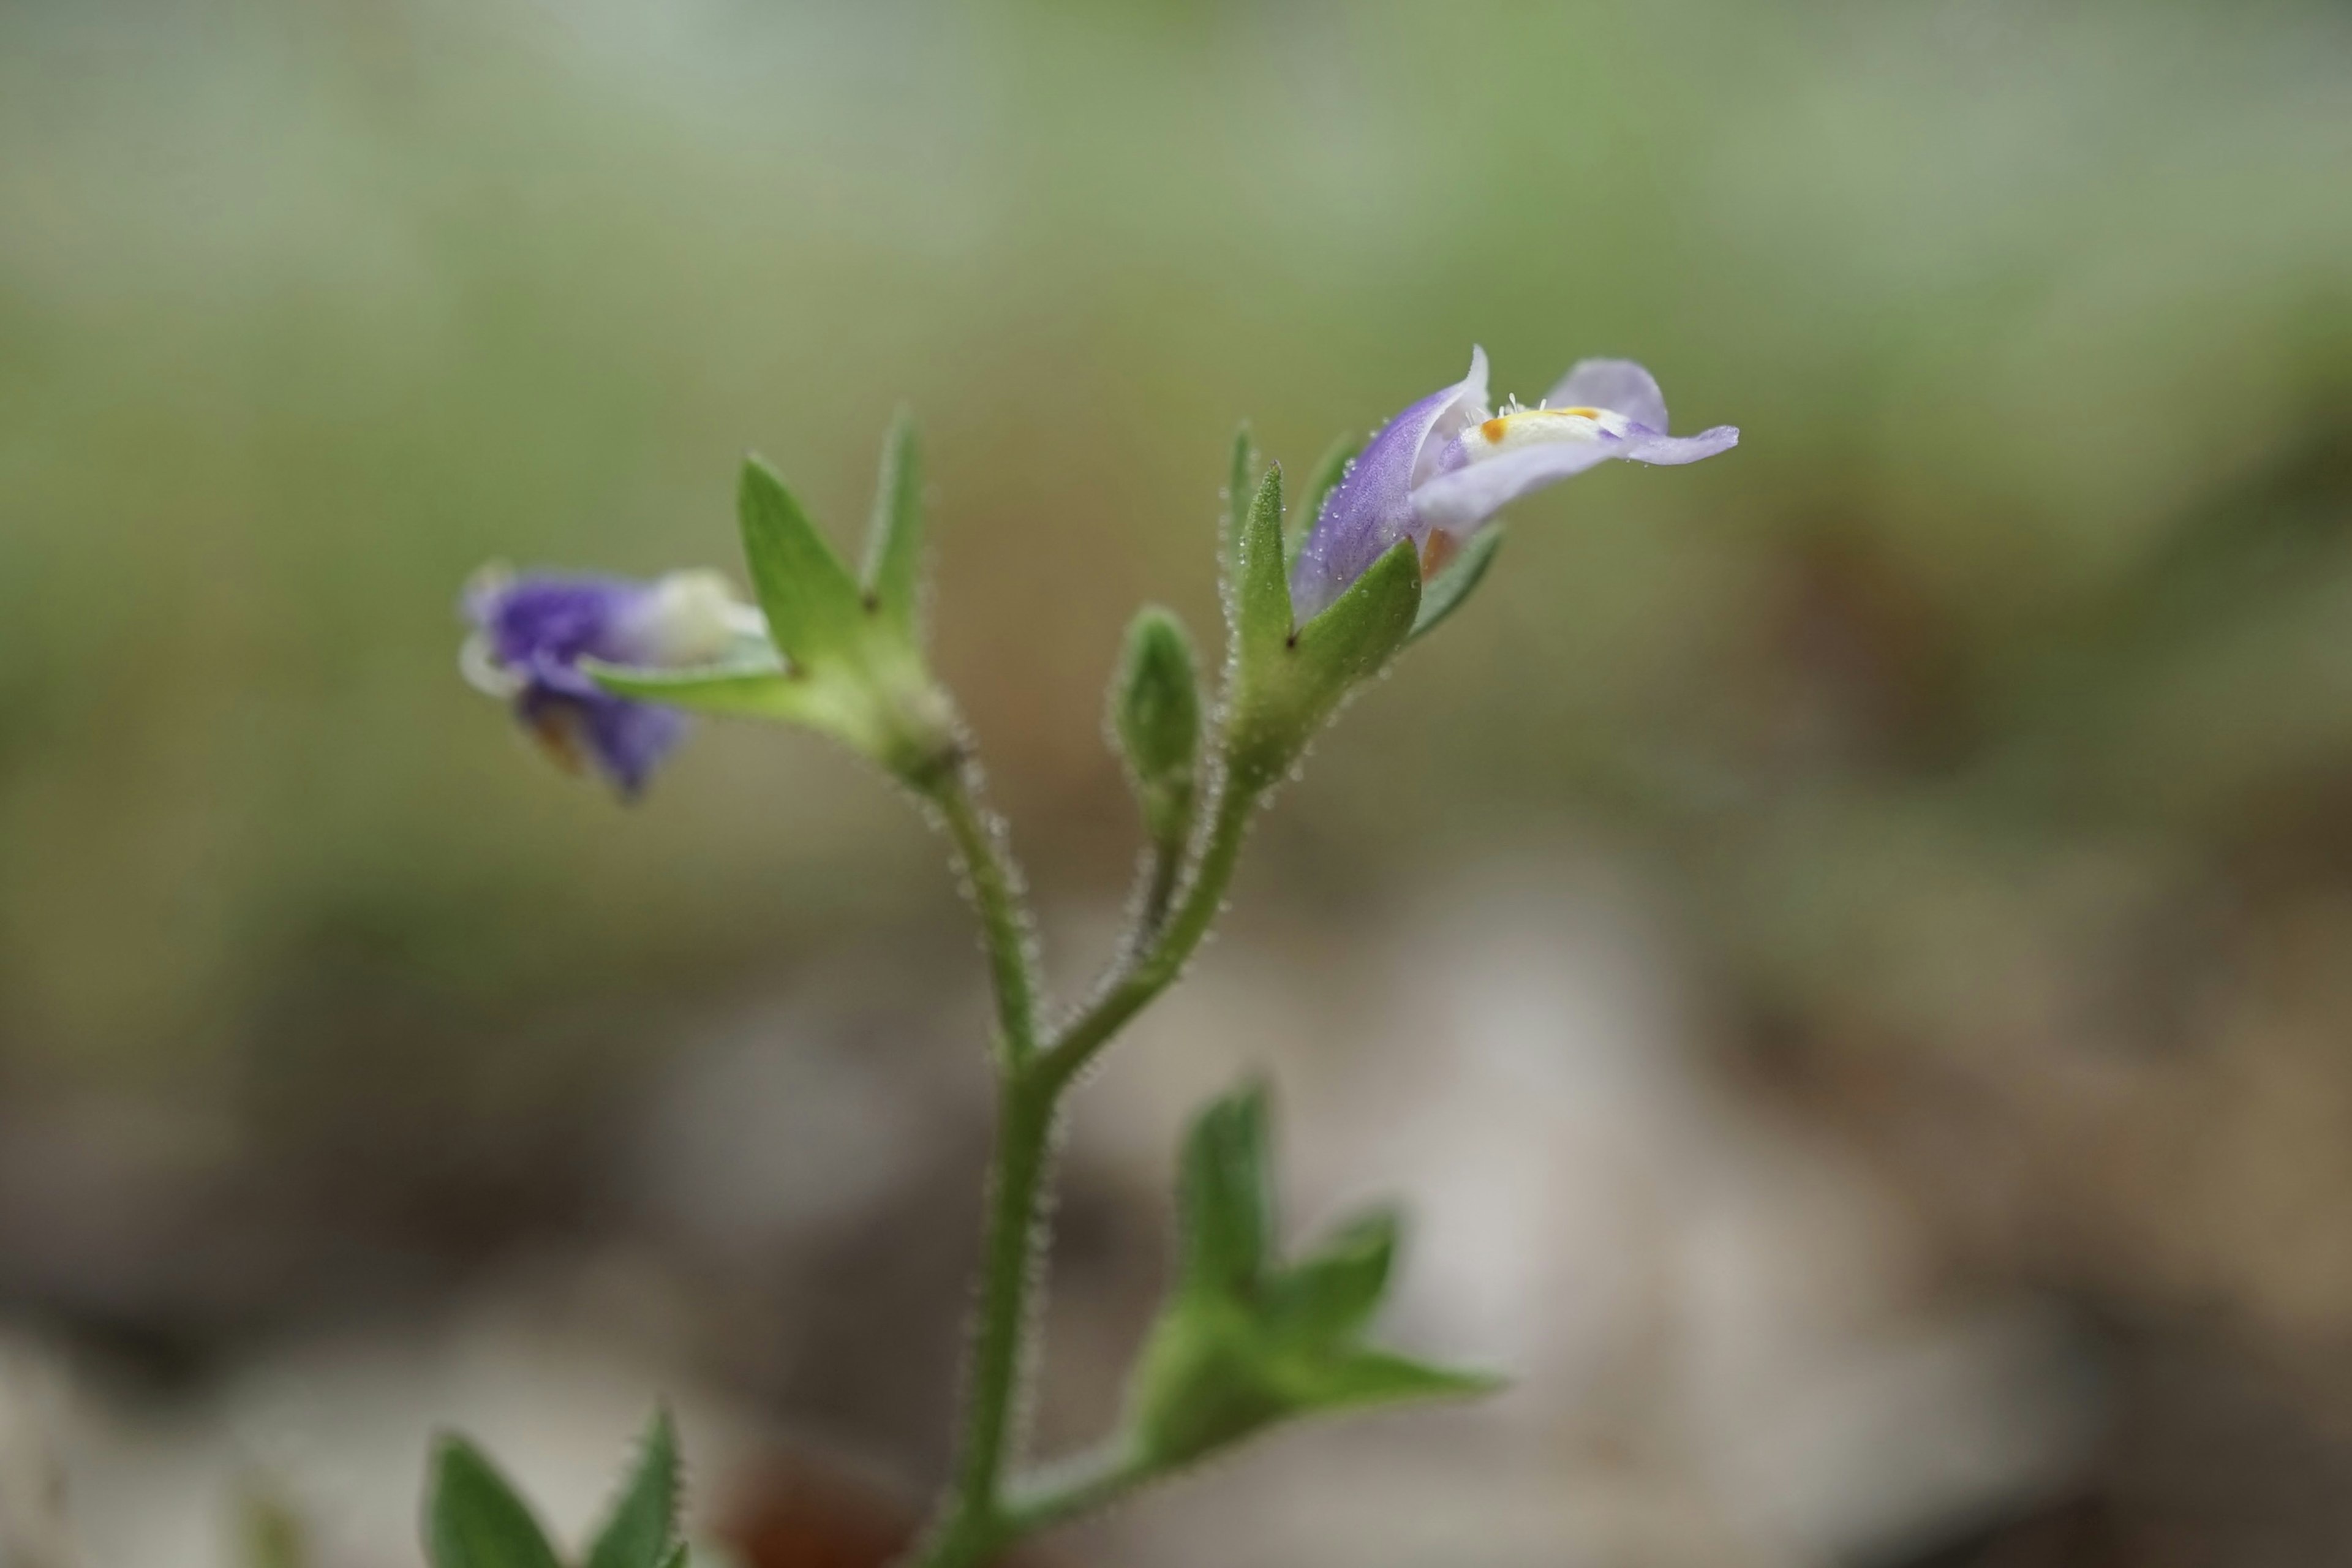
{"points": [[1152, 970], [1003, 921], [982, 1513]]}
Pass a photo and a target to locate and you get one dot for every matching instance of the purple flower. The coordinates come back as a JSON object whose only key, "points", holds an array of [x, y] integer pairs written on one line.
{"points": [[530, 632], [1441, 469]]}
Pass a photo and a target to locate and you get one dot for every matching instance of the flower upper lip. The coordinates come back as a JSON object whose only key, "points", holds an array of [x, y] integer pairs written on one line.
{"points": [[1446, 465]]}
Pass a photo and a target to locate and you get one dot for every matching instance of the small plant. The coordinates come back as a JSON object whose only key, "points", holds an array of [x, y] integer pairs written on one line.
{"points": [[605, 673]]}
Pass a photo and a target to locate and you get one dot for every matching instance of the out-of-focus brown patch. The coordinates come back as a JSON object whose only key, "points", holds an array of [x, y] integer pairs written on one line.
{"points": [[799, 1508]]}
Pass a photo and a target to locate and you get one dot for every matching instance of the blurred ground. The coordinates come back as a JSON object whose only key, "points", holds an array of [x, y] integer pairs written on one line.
{"points": [[1844, 949]]}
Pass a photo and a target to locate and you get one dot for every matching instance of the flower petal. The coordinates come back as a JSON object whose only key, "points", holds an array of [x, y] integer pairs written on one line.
{"points": [[1461, 501], [1680, 449], [1619, 385], [1372, 507]]}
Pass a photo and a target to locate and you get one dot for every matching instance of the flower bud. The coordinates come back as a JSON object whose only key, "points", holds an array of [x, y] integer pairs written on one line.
{"points": [[1156, 721]]}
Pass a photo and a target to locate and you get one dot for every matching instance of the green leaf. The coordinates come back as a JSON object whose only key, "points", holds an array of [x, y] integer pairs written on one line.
{"points": [[1326, 478], [679, 1557], [1225, 1196], [1262, 597], [816, 611], [642, 1531], [1362, 629], [894, 540], [1363, 1376], [753, 689], [1156, 716], [1444, 594], [1241, 485], [1328, 1297], [473, 1519]]}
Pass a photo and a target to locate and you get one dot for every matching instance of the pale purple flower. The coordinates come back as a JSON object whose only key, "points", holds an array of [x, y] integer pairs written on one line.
{"points": [[531, 631], [1439, 470]]}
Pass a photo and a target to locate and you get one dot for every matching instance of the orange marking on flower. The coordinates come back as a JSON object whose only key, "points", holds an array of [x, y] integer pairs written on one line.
{"points": [[1438, 549], [1492, 428]]}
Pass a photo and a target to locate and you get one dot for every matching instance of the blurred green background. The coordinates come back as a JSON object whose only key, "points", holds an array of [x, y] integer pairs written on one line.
{"points": [[1984, 724]]}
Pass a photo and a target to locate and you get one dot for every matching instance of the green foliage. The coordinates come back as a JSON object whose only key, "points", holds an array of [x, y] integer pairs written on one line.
{"points": [[845, 657], [1245, 1340], [1241, 486], [816, 611], [1288, 688], [642, 1531], [473, 1519], [894, 540], [1156, 717]]}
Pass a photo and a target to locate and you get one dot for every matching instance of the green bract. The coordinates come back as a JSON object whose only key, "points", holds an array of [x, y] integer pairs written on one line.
{"points": [[1286, 681], [1245, 1340], [846, 656], [474, 1520]]}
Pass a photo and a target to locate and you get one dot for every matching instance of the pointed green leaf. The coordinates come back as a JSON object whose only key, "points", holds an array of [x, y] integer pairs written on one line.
{"points": [[1444, 594], [816, 611], [1326, 478], [1262, 594], [641, 1529], [894, 540], [473, 1519], [1359, 1377], [748, 690], [1156, 717], [1362, 629], [1226, 1195], [1328, 1298], [1241, 485]]}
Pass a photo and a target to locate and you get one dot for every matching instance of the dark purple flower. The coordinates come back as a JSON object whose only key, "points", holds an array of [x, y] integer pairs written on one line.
{"points": [[1441, 469], [531, 632]]}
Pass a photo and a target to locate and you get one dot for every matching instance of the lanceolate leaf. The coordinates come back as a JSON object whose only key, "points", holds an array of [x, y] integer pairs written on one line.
{"points": [[1226, 1196], [1444, 594], [815, 609], [1365, 1376], [1241, 486], [1362, 630], [1262, 599], [642, 1532], [473, 1519], [894, 540], [1331, 1296]]}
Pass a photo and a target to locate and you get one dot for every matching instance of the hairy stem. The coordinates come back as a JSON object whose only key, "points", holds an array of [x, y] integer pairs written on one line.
{"points": [[988, 867], [982, 1513]]}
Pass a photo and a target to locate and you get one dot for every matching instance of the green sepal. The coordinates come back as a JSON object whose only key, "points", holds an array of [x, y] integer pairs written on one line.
{"points": [[1241, 486], [641, 1531], [893, 574], [1287, 692], [1244, 1342], [473, 1518], [1332, 1294], [1226, 1197], [1261, 609], [1156, 720], [816, 611], [1329, 471], [839, 658], [1444, 594]]}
